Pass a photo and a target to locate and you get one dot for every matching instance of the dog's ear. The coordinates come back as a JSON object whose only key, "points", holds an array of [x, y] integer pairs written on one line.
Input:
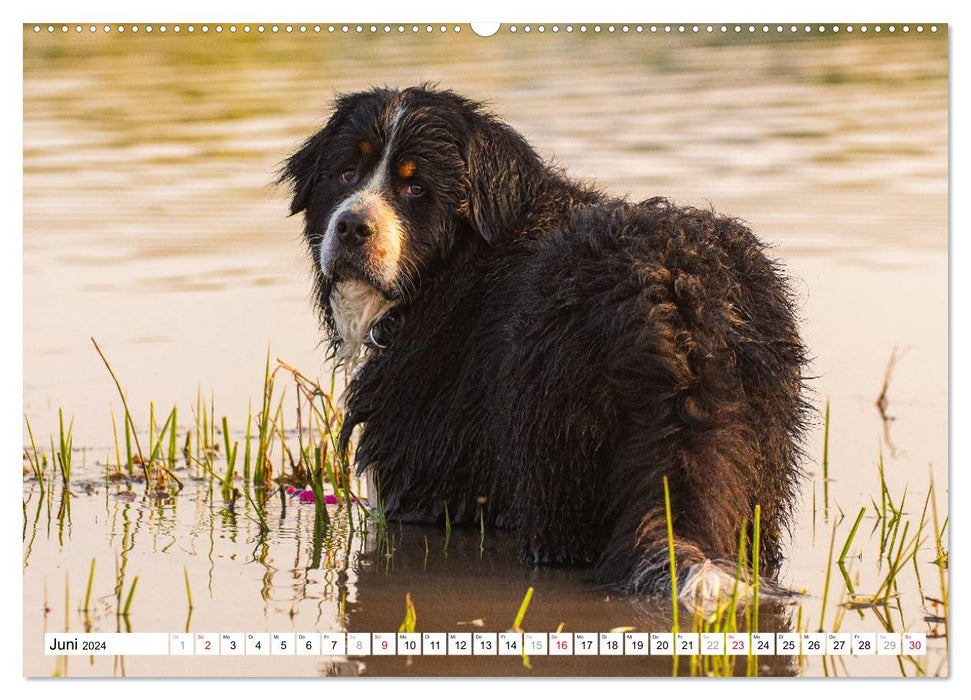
{"points": [[503, 172], [299, 171]]}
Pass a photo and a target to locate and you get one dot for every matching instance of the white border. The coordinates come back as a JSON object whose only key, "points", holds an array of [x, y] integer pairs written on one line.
{"points": [[602, 11]]}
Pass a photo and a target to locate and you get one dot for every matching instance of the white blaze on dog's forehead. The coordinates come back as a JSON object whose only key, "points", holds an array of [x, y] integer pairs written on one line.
{"points": [[384, 250], [380, 176], [355, 306]]}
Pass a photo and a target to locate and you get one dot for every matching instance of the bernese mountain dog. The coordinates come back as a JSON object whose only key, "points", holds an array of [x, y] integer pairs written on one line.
{"points": [[532, 351]]}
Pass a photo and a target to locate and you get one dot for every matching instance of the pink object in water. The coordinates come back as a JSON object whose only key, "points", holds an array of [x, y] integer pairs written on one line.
{"points": [[307, 496]]}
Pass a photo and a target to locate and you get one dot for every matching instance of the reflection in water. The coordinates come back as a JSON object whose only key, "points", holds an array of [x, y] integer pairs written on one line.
{"points": [[478, 587]]}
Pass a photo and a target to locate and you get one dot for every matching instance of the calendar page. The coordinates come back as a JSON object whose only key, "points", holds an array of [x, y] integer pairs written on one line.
{"points": [[520, 349]]}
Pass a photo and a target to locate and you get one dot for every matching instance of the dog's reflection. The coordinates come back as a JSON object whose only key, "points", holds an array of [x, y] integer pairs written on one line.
{"points": [[464, 582]]}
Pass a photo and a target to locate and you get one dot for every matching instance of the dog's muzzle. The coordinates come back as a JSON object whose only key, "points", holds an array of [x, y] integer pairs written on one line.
{"points": [[366, 233], [354, 228]]}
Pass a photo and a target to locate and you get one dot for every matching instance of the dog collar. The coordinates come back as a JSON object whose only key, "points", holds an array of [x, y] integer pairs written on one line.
{"points": [[379, 334]]}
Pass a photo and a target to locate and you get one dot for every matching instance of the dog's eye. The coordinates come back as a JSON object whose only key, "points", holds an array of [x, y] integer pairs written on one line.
{"points": [[349, 175], [414, 190]]}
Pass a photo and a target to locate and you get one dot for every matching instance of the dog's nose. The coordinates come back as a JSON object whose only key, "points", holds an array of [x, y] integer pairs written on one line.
{"points": [[353, 229]]}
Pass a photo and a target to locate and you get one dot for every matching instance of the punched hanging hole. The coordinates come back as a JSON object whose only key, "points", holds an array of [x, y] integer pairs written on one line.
{"points": [[485, 28]]}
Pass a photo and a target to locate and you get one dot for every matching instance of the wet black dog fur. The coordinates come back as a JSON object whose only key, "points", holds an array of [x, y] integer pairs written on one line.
{"points": [[554, 352]]}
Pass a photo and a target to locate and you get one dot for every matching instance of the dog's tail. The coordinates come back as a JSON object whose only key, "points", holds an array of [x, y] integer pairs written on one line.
{"points": [[702, 583], [708, 584]]}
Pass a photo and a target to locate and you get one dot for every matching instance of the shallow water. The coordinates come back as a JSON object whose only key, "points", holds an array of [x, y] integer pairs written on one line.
{"points": [[150, 224]]}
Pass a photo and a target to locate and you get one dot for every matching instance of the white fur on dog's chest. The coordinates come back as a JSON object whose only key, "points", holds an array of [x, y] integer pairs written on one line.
{"points": [[354, 306]]}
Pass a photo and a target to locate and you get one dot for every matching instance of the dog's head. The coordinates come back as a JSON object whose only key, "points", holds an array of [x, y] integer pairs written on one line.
{"points": [[393, 184]]}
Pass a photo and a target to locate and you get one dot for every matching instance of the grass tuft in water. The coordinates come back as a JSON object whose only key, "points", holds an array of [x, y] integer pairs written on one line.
{"points": [[317, 484], [826, 461], [188, 588], [411, 615], [942, 559], [849, 539], [673, 561], [66, 443], [131, 594], [517, 625], [752, 666], [87, 595], [262, 469], [829, 569], [32, 458], [128, 419], [164, 472], [227, 485]]}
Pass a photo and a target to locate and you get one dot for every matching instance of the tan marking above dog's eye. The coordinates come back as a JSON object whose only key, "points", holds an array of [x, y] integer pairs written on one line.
{"points": [[407, 169], [365, 148]]}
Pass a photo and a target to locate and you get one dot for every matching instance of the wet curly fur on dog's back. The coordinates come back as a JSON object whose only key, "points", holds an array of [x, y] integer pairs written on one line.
{"points": [[569, 350]]}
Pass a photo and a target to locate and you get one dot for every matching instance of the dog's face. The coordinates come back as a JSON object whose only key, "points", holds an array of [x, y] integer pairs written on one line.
{"points": [[389, 188]]}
